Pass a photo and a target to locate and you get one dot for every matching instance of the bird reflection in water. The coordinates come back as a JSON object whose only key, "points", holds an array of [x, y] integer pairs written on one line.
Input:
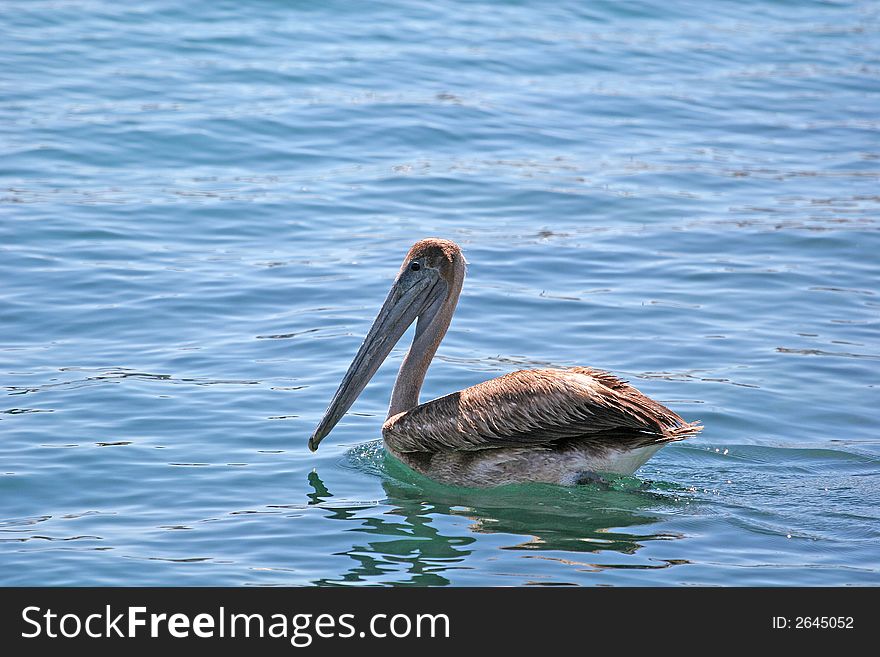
{"points": [[429, 530]]}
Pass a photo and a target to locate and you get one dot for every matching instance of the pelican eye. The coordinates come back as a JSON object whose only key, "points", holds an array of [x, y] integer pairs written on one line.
{"points": [[415, 266]]}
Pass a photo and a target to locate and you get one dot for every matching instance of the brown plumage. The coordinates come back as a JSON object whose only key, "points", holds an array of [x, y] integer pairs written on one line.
{"points": [[549, 425], [534, 407]]}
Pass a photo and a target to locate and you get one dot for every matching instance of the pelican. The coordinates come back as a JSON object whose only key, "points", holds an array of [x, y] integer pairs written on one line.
{"points": [[559, 426]]}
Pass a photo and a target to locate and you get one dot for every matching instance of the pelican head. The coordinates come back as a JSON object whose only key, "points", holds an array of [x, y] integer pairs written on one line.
{"points": [[426, 288]]}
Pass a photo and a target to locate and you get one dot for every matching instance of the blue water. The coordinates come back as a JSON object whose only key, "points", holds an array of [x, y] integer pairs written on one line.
{"points": [[202, 206]]}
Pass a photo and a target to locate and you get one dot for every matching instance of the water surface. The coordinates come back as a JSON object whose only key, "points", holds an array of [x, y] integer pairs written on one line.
{"points": [[201, 208]]}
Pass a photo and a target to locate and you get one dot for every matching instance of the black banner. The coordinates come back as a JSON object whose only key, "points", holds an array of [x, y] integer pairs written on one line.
{"points": [[320, 620]]}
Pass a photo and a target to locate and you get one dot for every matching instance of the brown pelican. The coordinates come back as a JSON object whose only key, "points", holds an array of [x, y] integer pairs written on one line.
{"points": [[560, 426]]}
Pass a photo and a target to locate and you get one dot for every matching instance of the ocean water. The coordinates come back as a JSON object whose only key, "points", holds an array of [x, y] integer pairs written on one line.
{"points": [[202, 206]]}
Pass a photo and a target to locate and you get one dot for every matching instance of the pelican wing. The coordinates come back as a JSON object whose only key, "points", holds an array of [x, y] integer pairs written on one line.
{"points": [[534, 407]]}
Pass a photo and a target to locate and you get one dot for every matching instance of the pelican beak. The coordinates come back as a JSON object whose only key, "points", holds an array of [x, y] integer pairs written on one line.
{"points": [[408, 297]]}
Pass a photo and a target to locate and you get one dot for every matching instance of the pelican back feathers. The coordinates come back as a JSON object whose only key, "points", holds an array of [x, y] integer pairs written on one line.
{"points": [[530, 408]]}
